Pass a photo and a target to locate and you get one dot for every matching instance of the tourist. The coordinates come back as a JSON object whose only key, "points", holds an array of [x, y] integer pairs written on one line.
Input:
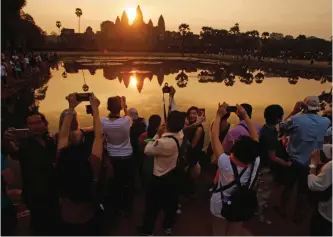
{"points": [[269, 159], [238, 131], [244, 157], [138, 127], [8, 212], [78, 174], [196, 137], [163, 189], [36, 154], [146, 168], [306, 132], [117, 134], [321, 223]]}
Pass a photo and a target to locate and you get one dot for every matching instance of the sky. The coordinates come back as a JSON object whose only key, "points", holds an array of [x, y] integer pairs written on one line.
{"points": [[294, 17]]}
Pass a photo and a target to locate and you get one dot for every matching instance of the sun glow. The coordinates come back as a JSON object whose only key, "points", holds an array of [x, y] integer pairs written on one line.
{"points": [[131, 14], [133, 81]]}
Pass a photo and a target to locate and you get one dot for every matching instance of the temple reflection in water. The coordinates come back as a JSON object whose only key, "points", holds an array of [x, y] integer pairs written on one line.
{"points": [[135, 72]]}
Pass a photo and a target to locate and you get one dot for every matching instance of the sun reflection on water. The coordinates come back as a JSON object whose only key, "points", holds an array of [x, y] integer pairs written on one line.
{"points": [[133, 81]]}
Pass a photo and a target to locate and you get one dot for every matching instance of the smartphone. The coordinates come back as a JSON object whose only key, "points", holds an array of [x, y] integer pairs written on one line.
{"points": [[231, 109], [83, 96], [20, 133], [89, 109], [202, 112]]}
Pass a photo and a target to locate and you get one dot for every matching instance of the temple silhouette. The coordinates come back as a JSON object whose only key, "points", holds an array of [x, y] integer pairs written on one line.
{"points": [[137, 31]]}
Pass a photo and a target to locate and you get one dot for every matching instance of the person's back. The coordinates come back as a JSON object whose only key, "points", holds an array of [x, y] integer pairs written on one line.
{"points": [[306, 134], [117, 134]]}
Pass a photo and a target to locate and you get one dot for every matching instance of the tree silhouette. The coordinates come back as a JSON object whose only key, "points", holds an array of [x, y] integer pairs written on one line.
{"points": [[78, 13], [182, 79], [58, 24], [235, 29], [184, 30], [293, 80], [259, 77], [265, 35]]}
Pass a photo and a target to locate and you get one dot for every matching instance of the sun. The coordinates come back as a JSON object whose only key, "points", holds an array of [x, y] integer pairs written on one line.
{"points": [[133, 81], [131, 14]]}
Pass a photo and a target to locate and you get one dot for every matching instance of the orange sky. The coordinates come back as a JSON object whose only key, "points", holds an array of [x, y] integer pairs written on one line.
{"points": [[310, 17]]}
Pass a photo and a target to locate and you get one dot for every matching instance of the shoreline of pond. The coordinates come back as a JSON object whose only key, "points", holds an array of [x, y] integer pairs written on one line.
{"points": [[161, 55]]}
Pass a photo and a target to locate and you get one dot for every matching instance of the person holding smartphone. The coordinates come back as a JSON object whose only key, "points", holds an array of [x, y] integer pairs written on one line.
{"points": [[36, 154], [116, 131], [239, 130], [306, 130], [196, 137], [78, 174]]}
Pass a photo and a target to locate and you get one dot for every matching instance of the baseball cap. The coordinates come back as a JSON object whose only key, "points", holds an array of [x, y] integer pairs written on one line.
{"points": [[312, 103]]}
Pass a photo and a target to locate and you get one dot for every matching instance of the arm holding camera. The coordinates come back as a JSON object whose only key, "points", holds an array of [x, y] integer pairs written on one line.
{"points": [[97, 148], [216, 144], [296, 110], [242, 114], [64, 130]]}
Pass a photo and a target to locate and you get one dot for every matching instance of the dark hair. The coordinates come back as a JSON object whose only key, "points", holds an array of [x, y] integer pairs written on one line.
{"points": [[114, 104], [246, 149], [190, 109], [176, 121], [248, 109], [74, 174], [34, 112], [273, 113], [153, 124], [226, 116]]}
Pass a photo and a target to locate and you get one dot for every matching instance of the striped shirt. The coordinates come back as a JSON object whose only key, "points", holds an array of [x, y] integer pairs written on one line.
{"points": [[117, 135]]}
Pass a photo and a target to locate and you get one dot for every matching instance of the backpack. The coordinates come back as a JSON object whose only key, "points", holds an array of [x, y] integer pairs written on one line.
{"points": [[243, 202], [182, 160]]}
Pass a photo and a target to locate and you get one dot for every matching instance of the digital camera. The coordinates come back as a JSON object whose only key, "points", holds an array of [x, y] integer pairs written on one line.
{"points": [[83, 96]]}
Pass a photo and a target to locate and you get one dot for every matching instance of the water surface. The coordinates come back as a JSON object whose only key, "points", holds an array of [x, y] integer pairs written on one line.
{"points": [[142, 81]]}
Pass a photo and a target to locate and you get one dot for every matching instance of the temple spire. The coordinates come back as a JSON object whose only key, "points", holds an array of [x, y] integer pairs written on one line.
{"points": [[161, 24], [117, 20], [124, 18], [139, 16]]}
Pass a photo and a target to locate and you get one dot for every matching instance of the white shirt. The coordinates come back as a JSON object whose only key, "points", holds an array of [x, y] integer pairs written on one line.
{"points": [[320, 183], [227, 176], [117, 135], [165, 152], [26, 60]]}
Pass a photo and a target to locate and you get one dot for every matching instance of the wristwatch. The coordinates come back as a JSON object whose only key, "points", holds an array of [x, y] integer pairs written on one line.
{"points": [[312, 166]]}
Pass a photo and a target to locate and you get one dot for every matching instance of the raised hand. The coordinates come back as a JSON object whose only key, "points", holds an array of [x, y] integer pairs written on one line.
{"points": [[72, 100], [221, 109], [94, 101], [241, 112], [297, 107]]}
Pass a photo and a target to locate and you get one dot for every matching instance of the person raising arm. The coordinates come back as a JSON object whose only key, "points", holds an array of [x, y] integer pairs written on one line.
{"points": [[222, 110]]}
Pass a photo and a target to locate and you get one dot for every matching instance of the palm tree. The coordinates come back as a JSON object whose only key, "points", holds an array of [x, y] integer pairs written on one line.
{"points": [[78, 13], [58, 24]]}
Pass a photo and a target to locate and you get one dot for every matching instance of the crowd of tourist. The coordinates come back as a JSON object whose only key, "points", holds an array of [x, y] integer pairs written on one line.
{"points": [[72, 179], [15, 64]]}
